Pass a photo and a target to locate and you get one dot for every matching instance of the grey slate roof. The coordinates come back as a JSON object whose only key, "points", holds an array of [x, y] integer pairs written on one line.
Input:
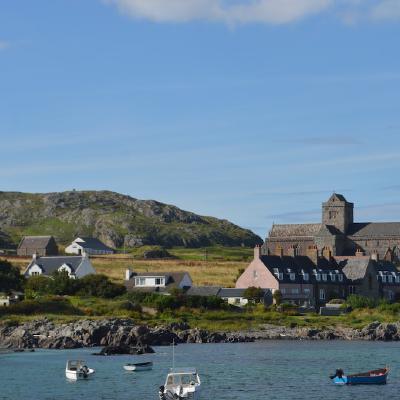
{"points": [[38, 242], [374, 229], [353, 267], [203, 291], [328, 230], [51, 264], [231, 292], [172, 279], [294, 230], [93, 243]]}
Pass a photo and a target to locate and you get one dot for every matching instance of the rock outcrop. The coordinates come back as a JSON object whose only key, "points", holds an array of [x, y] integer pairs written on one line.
{"points": [[123, 336]]}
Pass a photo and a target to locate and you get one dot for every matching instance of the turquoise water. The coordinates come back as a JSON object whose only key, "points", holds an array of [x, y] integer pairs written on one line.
{"points": [[251, 371]]}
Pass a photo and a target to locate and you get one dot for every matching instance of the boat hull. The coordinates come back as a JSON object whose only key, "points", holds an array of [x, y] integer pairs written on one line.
{"points": [[138, 367], [78, 375], [377, 377]]}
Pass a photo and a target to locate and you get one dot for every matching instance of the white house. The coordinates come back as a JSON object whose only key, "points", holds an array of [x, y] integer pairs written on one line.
{"points": [[76, 266], [157, 281], [88, 245]]}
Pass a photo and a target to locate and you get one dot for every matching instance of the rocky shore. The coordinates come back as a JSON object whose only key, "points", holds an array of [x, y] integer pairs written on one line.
{"points": [[124, 336]]}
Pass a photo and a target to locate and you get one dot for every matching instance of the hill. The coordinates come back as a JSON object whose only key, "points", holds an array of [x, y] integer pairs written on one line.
{"points": [[118, 220]]}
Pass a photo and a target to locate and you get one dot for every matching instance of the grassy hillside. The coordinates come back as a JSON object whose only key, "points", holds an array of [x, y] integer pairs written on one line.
{"points": [[118, 220]]}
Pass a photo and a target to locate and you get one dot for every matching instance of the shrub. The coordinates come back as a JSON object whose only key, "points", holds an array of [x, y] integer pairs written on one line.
{"points": [[37, 285], [52, 305], [10, 277], [99, 286], [253, 294], [356, 301], [277, 296]]}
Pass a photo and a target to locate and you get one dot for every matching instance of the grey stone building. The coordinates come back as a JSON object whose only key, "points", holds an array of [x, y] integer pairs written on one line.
{"points": [[336, 235]]}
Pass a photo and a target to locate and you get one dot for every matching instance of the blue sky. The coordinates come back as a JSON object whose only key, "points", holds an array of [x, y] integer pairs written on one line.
{"points": [[250, 110]]}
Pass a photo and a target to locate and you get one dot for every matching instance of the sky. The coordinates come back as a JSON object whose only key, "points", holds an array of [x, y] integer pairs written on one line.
{"points": [[249, 110]]}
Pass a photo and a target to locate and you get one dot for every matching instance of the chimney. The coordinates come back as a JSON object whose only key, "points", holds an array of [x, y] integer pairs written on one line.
{"points": [[34, 256], [327, 253], [312, 254], [359, 253], [257, 251], [375, 256], [128, 274], [292, 251]]}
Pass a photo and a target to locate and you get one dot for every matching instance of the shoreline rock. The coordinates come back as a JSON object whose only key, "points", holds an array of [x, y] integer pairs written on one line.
{"points": [[125, 335]]}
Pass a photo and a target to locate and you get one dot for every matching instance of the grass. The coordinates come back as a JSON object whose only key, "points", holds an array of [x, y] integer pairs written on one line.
{"points": [[220, 269]]}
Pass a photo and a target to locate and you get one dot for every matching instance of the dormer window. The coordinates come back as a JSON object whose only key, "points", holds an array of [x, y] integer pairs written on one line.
{"points": [[333, 277], [390, 278], [384, 278], [292, 276], [306, 277], [280, 276], [318, 277], [340, 277], [324, 277], [398, 279]]}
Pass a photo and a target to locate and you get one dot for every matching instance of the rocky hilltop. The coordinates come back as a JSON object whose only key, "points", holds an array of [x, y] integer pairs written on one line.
{"points": [[118, 220]]}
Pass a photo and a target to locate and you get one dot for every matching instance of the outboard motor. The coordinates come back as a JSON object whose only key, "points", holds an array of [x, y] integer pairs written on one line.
{"points": [[161, 393], [85, 371], [339, 374]]}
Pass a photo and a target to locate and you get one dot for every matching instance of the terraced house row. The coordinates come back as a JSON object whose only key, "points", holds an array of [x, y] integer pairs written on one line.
{"points": [[313, 280]]}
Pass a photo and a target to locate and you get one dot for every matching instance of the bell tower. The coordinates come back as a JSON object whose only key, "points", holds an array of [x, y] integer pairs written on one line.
{"points": [[338, 212]]}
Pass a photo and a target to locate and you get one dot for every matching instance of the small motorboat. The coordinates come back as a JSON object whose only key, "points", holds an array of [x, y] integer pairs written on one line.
{"points": [[181, 384], [144, 366], [77, 369], [375, 377]]}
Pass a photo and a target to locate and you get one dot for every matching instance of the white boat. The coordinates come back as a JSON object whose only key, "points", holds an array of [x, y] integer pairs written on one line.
{"points": [[77, 369], [181, 383], [144, 366]]}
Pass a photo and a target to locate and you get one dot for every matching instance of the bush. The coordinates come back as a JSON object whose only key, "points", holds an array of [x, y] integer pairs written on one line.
{"points": [[99, 286], [10, 277], [356, 301], [277, 296], [253, 294], [37, 286], [52, 305]]}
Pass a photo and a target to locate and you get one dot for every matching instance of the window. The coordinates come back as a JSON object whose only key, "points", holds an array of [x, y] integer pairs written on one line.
{"points": [[283, 290], [280, 276], [384, 278], [324, 277], [340, 277], [352, 289], [322, 294], [159, 281], [35, 273], [295, 291], [292, 277], [398, 279], [140, 281], [318, 277], [333, 277], [390, 278], [391, 295], [306, 277], [306, 291]]}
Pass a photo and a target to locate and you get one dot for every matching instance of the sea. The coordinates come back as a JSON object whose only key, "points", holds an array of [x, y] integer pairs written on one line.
{"points": [[248, 371]]}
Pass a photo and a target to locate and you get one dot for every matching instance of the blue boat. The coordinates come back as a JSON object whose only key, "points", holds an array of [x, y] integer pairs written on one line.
{"points": [[375, 377]]}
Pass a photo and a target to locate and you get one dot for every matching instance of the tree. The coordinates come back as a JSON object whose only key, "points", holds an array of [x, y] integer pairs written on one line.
{"points": [[10, 277], [62, 284], [277, 296], [38, 286], [253, 294]]}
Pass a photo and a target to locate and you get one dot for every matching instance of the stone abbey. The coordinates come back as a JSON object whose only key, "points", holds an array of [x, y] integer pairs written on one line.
{"points": [[336, 235]]}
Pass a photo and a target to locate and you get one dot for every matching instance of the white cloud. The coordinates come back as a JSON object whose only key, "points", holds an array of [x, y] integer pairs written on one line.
{"points": [[243, 11], [4, 45], [386, 10], [261, 11]]}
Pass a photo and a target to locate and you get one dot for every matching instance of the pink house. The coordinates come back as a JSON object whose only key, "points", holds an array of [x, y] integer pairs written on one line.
{"points": [[292, 276]]}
